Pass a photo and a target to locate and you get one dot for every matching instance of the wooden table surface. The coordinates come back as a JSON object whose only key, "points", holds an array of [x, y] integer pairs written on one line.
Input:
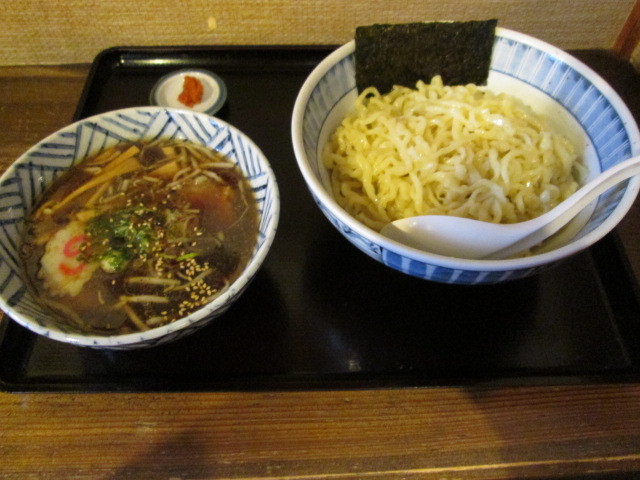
{"points": [[430, 433]]}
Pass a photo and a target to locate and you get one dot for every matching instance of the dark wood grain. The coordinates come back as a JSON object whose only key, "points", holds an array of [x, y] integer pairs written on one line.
{"points": [[429, 433], [36, 101], [629, 36]]}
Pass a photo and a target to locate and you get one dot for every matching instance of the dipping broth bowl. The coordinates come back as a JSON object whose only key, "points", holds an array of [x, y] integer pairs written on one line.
{"points": [[577, 101], [26, 179]]}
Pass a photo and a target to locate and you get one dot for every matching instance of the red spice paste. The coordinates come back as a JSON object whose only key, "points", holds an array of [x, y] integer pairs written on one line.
{"points": [[191, 91]]}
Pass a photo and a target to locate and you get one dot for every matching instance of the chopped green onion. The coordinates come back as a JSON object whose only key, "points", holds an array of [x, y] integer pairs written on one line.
{"points": [[187, 256]]}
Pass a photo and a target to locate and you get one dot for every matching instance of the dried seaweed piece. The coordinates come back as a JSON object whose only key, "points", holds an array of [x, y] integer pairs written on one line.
{"points": [[401, 54]]}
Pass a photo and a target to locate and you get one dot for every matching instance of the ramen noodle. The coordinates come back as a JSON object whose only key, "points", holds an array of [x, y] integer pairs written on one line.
{"points": [[448, 150], [140, 235]]}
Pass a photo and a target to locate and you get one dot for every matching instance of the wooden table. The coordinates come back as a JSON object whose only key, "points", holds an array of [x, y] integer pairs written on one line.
{"points": [[430, 433]]}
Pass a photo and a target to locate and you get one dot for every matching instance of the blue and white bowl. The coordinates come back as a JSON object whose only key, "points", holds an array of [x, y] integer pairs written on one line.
{"points": [[579, 102], [23, 183]]}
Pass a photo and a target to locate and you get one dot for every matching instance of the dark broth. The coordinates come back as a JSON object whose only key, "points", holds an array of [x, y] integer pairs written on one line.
{"points": [[140, 235]]}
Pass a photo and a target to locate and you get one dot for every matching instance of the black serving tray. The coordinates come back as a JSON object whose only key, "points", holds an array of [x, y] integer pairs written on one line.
{"points": [[322, 315]]}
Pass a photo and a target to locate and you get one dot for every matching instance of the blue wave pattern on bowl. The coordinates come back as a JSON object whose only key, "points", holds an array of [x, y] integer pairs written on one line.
{"points": [[540, 69], [25, 182], [569, 87], [338, 82]]}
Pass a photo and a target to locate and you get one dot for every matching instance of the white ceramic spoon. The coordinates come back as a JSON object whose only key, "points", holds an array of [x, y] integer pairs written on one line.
{"points": [[474, 239]]}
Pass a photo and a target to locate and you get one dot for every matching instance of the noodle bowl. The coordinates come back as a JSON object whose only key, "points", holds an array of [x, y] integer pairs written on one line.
{"points": [[448, 150], [230, 154], [577, 102], [140, 235]]}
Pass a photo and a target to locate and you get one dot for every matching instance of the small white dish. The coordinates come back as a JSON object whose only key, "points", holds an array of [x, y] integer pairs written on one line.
{"points": [[166, 91]]}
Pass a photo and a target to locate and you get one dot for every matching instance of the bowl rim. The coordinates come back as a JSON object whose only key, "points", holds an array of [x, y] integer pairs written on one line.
{"points": [[478, 265], [234, 289]]}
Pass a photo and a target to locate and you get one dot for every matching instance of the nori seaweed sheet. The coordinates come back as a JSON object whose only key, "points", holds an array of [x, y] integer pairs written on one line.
{"points": [[401, 54]]}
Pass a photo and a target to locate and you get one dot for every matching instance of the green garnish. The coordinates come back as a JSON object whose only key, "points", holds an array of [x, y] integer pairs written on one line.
{"points": [[118, 238], [114, 261], [187, 256]]}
